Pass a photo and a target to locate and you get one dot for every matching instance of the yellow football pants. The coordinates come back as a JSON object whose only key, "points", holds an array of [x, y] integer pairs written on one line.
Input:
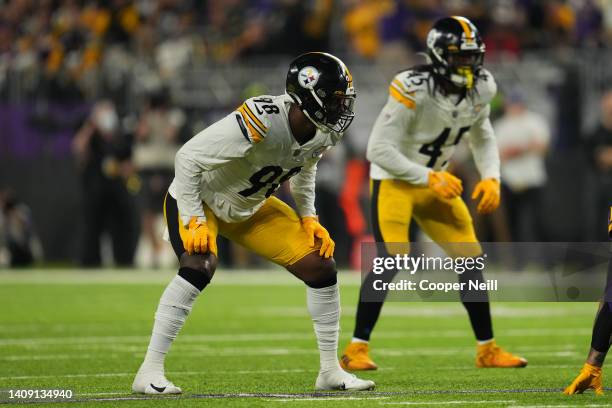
{"points": [[275, 231], [445, 221]]}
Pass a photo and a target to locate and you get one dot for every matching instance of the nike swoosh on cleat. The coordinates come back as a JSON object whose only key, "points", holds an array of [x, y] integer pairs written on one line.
{"points": [[343, 387], [160, 390]]}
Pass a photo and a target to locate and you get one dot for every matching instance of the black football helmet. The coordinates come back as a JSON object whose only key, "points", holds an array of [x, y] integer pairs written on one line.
{"points": [[456, 50], [322, 87]]}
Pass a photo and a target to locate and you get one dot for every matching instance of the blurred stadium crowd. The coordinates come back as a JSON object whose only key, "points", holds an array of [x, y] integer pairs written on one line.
{"points": [[97, 96]]}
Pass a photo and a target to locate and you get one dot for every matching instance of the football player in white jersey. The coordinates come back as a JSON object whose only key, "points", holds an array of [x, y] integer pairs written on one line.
{"points": [[429, 110], [224, 180]]}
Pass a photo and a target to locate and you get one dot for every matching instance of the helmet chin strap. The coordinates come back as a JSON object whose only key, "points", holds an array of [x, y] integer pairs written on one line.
{"points": [[319, 126]]}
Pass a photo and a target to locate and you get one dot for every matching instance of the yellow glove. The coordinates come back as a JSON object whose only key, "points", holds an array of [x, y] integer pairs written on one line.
{"points": [[445, 184], [589, 378], [198, 238], [314, 229], [489, 188]]}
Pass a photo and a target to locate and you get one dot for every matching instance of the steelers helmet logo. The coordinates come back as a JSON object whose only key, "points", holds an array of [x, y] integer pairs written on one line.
{"points": [[308, 77]]}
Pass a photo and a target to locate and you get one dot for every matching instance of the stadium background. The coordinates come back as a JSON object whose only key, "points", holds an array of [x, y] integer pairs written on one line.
{"points": [[168, 68], [183, 64]]}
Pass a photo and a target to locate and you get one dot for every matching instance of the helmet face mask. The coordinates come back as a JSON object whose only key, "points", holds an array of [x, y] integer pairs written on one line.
{"points": [[456, 50], [322, 87], [339, 113], [463, 67]]}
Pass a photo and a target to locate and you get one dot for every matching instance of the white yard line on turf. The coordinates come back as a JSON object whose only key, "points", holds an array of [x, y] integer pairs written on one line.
{"points": [[96, 375], [426, 311], [115, 348], [467, 402], [251, 277], [558, 406], [258, 352], [99, 394], [244, 337], [250, 337], [324, 399], [243, 372]]}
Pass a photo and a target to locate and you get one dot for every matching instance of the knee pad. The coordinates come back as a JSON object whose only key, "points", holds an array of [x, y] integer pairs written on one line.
{"points": [[197, 269], [326, 274]]}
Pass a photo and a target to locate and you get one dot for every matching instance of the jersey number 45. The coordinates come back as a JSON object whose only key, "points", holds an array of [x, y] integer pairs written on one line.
{"points": [[434, 149]]}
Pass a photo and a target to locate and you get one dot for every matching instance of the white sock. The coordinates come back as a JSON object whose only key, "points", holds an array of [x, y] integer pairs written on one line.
{"points": [[324, 308], [358, 340], [483, 342], [172, 311]]}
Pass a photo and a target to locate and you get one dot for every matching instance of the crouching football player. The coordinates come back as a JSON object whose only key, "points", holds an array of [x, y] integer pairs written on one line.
{"points": [[429, 110], [590, 376], [224, 180]]}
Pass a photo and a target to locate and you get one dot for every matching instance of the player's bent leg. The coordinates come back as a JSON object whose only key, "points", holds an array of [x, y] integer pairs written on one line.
{"points": [[297, 254], [448, 222], [323, 300], [356, 355], [476, 302], [391, 212], [195, 273]]}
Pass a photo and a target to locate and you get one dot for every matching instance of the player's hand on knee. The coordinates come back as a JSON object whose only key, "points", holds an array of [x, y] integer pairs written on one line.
{"points": [[199, 239], [314, 229], [489, 189], [445, 184]]}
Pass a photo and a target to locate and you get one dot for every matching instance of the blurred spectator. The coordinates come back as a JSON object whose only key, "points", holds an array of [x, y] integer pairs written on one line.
{"points": [[589, 29], [361, 23], [354, 200], [523, 139], [205, 52], [599, 148], [103, 154], [234, 28], [501, 37], [69, 40], [19, 245], [156, 144]]}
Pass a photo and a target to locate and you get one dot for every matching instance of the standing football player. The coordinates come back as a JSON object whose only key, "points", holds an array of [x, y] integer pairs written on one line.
{"points": [[429, 110], [224, 180], [591, 375]]}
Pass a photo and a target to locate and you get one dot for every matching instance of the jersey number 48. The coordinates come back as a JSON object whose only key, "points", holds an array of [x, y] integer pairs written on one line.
{"points": [[267, 177]]}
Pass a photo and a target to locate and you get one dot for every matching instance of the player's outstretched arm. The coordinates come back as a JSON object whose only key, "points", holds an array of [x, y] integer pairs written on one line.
{"points": [[303, 192], [589, 378], [486, 156], [591, 375]]}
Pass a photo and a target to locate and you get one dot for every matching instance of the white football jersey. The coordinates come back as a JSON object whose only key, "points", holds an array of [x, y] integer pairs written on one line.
{"points": [[418, 129], [239, 161]]}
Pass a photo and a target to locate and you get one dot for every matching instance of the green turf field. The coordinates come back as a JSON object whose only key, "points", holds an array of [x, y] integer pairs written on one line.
{"points": [[249, 343]]}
